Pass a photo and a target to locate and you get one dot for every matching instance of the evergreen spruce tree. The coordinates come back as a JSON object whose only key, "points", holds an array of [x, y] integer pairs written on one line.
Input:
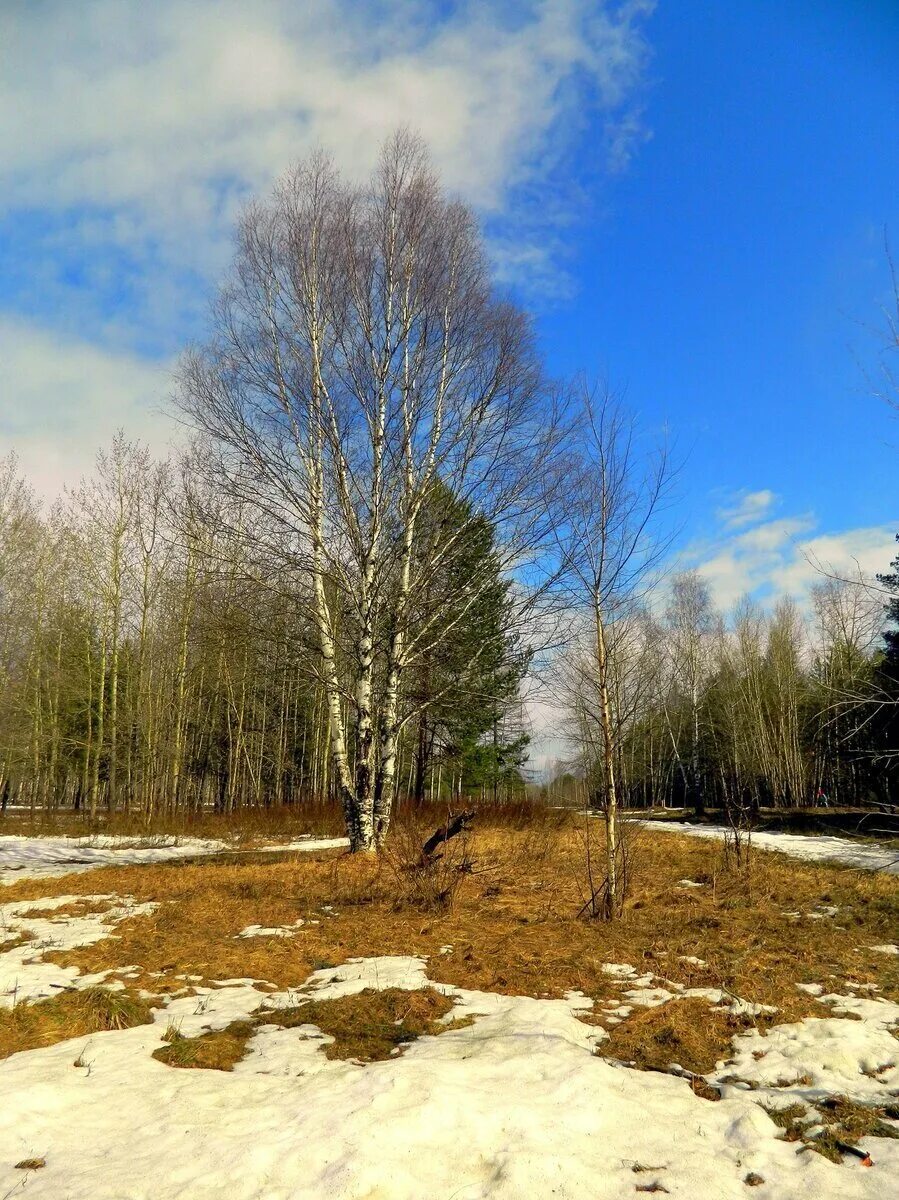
{"points": [[467, 685]]}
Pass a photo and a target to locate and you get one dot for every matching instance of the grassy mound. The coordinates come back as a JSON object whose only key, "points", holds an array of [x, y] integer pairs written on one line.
{"points": [[69, 1015]]}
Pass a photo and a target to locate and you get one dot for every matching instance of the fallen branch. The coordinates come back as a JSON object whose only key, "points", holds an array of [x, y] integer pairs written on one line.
{"points": [[453, 827]]}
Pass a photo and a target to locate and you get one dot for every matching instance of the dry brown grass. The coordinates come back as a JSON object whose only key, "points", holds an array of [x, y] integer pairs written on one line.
{"points": [[513, 926], [687, 1032], [845, 1124], [367, 1027], [247, 826], [371, 1025], [69, 1015], [11, 942], [430, 884], [76, 908], [215, 1051], [242, 825], [851, 1122]]}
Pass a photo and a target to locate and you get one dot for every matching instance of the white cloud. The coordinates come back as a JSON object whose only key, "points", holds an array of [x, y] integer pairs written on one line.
{"points": [[131, 132], [171, 112], [868, 551], [746, 507], [63, 400], [786, 557]]}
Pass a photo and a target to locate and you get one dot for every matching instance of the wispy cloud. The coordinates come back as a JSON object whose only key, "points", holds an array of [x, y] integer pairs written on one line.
{"points": [[63, 399], [783, 556], [745, 507]]}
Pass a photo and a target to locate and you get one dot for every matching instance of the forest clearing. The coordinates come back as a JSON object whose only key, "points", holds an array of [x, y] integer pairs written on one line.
{"points": [[325, 1023], [449, 600]]}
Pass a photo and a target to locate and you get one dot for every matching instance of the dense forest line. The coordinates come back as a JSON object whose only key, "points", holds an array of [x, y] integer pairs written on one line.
{"points": [[150, 664]]}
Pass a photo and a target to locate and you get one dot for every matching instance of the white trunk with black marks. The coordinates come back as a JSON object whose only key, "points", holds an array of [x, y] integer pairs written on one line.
{"points": [[415, 490], [390, 726], [360, 836], [358, 829], [364, 726], [386, 782], [614, 881]]}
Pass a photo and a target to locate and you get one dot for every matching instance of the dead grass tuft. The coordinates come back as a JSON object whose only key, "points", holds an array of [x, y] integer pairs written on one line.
{"points": [[845, 1124], [371, 1025], [792, 1119], [69, 1015], [688, 1033], [850, 1122], [76, 908], [432, 884], [367, 1027], [10, 943], [215, 1051]]}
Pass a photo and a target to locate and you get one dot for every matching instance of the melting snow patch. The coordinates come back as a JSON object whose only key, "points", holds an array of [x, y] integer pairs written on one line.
{"points": [[887, 949], [819, 1057], [24, 976], [867, 856], [652, 997], [50, 857], [252, 931]]}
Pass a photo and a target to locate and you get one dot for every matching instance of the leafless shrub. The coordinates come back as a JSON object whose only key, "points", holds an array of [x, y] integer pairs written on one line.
{"points": [[427, 881]]}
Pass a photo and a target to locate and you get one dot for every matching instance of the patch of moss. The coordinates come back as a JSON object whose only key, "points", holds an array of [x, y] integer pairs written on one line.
{"points": [[371, 1025]]}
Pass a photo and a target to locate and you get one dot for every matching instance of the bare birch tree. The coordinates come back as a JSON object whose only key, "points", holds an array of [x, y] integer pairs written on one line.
{"points": [[361, 360], [608, 548], [690, 623]]}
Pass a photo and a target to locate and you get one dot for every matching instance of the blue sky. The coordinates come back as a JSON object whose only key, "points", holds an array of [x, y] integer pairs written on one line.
{"points": [[732, 280], [691, 196]]}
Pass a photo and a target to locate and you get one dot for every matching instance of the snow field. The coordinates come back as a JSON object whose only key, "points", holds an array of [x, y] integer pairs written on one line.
{"points": [[516, 1104], [866, 856]]}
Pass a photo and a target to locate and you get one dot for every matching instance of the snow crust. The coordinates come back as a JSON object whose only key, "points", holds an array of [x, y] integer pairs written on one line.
{"points": [[866, 856]]}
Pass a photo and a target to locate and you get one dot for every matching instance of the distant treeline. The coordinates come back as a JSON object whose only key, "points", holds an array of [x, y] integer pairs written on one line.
{"points": [[780, 708]]}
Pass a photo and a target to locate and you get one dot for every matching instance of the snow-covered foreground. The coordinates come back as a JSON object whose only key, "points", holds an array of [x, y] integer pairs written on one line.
{"points": [[515, 1105], [50, 857], [867, 856]]}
